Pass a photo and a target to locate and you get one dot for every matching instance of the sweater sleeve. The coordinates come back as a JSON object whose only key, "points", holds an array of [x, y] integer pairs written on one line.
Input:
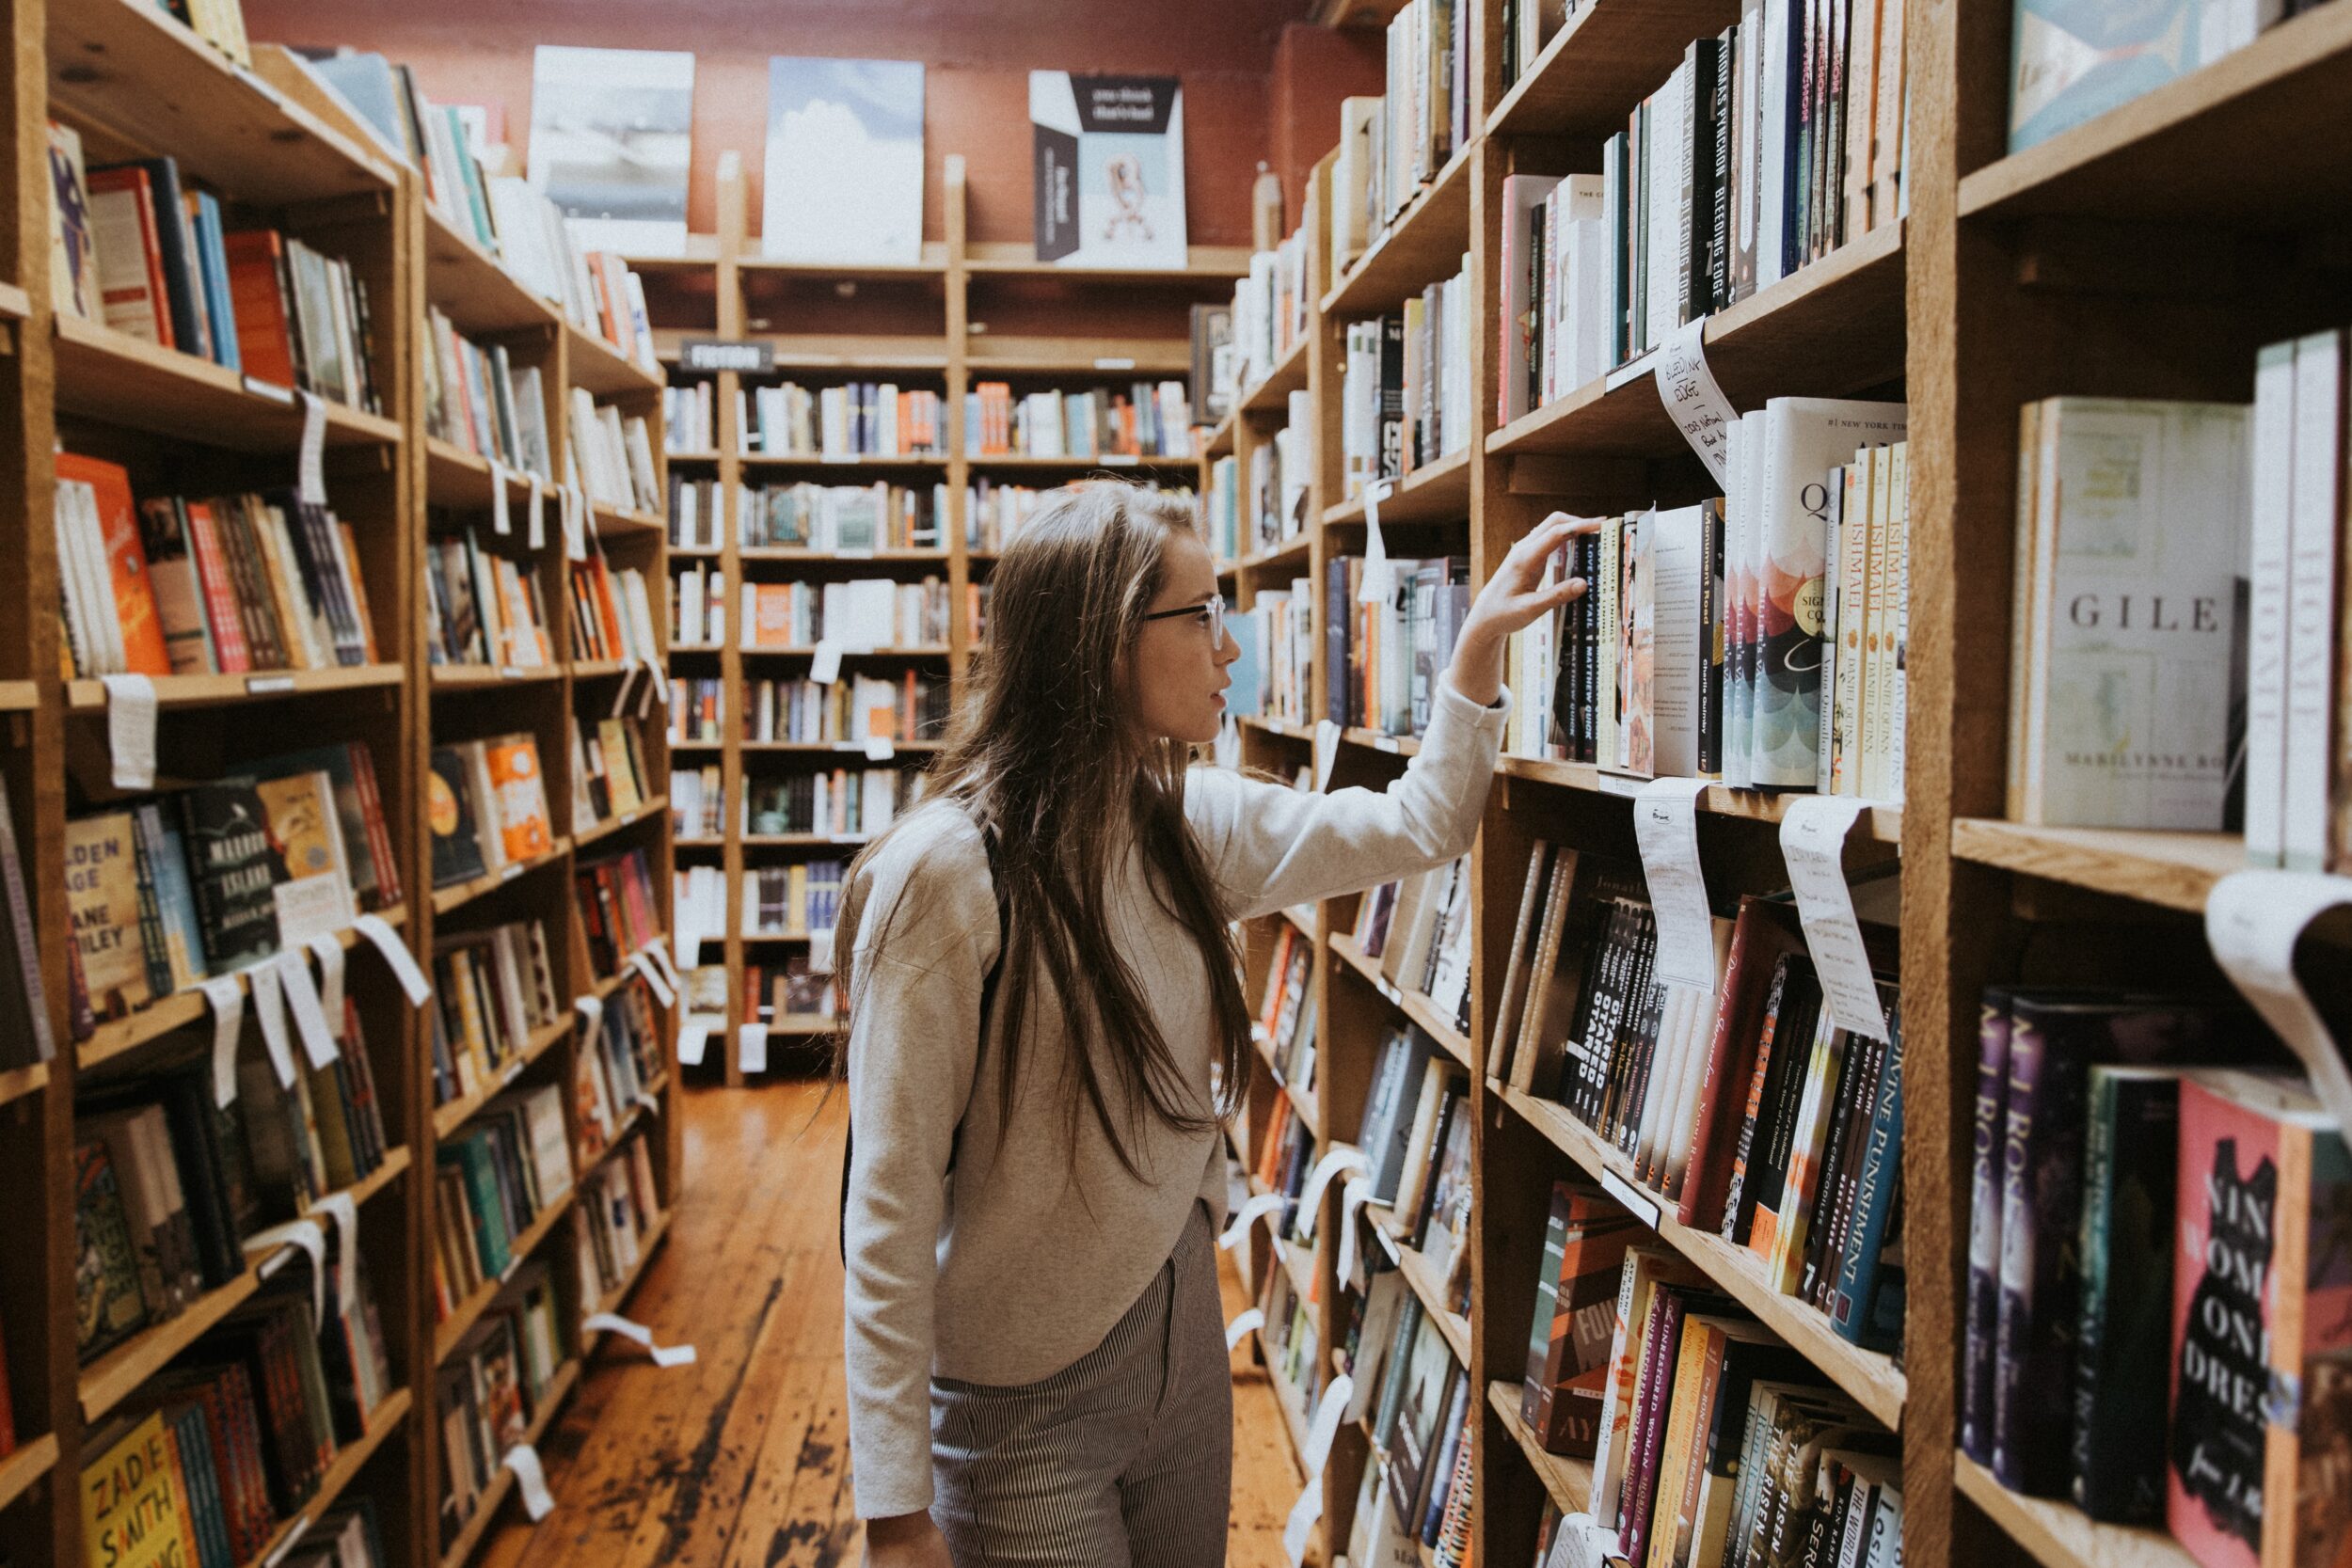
{"points": [[1271, 846], [923, 947]]}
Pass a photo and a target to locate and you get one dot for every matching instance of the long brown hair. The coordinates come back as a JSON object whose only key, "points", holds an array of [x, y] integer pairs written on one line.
{"points": [[1044, 759]]}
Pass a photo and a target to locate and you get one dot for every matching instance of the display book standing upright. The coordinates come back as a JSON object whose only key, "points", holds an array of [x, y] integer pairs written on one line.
{"points": [[767, 500], [1989, 330], [335, 740]]}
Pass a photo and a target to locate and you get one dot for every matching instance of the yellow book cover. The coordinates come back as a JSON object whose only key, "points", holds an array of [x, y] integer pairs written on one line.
{"points": [[101, 896], [315, 899], [620, 769], [134, 1503]]}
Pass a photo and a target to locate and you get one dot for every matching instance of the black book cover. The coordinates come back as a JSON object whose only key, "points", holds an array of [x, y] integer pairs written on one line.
{"points": [[1792, 1052], [1700, 192], [2121, 1373], [1777, 1136], [1857, 1084], [1711, 690], [456, 845], [190, 327], [1391, 410], [236, 870], [1719, 250]]}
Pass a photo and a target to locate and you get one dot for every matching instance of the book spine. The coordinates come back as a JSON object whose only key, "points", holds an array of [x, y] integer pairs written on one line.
{"points": [[2040, 1215], [1981, 1325], [1863, 1276]]}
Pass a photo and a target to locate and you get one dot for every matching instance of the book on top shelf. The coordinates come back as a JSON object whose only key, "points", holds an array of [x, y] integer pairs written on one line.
{"points": [[611, 130], [1108, 167], [844, 171]]}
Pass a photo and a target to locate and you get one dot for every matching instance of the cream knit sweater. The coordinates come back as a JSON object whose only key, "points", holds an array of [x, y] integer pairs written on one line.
{"points": [[1018, 1264]]}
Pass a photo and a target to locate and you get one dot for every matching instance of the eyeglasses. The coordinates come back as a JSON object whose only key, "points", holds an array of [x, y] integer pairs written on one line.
{"points": [[1214, 612]]}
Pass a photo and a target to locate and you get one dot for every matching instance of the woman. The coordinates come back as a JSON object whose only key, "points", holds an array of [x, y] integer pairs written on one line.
{"points": [[1042, 981]]}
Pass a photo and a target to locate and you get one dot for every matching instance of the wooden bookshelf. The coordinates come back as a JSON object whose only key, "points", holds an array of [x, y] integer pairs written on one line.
{"points": [[1568, 1482], [280, 151], [550, 1400], [2059, 1534]]}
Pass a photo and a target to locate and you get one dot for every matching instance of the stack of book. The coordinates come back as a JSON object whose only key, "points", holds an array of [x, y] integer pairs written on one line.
{"points": [[792, 900], [1286, 1157], [1286, 1014], [596, 290], [1274, 677], [619, 1208], [845, 519], [1383, 660], [490, 1389], [698, 801], [1405, 387], [175, 586], [618, 911], [698, 710], [993, 513], [698, 605], [1146, 419], [611, 618], [847, 711], [489, 807], [861, 418], [493, 989], [1281, 467], [1289, 1338], [2127, 1187], [494, 1178], [166, 1191], [1758, 638], [168, 890], [150, 258], [1392, 146], [611, 777], [208, 1460], [1221, 509], [1419, 929], [620, 1065], [698, 513], [689, 417], [1270, 315], [482, 609], [843, 804], [610, 455], [1417, 1401], [862, 612], [479, 400]]}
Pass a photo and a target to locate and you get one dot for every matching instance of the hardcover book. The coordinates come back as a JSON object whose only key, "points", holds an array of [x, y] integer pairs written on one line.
{"points": [[314, 896], [1109, 170], [107, 1303], [844, 161], [102, 889], [2130, 1159], [236, 868]]}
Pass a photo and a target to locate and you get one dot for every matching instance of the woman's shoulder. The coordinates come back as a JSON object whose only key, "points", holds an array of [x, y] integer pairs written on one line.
{"points": [[928, 882]]}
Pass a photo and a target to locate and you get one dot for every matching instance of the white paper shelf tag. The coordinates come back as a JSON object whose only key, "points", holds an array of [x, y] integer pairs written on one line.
{"points": [[1693, 399], [659, 951], [1665, 825], [820, 951], [269, 1009], [653, 979], [2253, 919], [1813, 843], [311, 1238], [536, 516], [310, 468], [694, 1038], [612, 1322], [1238, 1330], [1352, 1201], [751, 1047], [395, 952], [530, 1481], [1341, 1158], [1326, 752], [1264, 1204], [880, 748], [1330, 1411], [1379, 579], [226, 994], [329, 953], [302, 1000], [131, 730], [825, 665], [501, 512]]}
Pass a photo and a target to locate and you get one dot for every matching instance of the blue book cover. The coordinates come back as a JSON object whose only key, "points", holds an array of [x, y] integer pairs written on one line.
{"points": [[213, 266], [1247, 695], [175, 898], [2073, 61]]}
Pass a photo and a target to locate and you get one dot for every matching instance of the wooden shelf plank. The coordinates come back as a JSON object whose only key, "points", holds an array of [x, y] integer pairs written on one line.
{"points": [[459, 894], [2060, 1535], [1424, 1283], [1288, 374], [349, 1460], [1568, 1481], [467, 284], [1022, 463], [180, 1008], [1438, 493], [611, 825], [802, 650], [1413, 1004], [28, 1463], [817, 748], [130, 70], [1603, 61], [227, 691], [2176, 870], [121, 380], [1422, 244], [449, 1118], [1873, 1380], [2257, 139], [1291, 554], [481, 677], [19, 696], [1085, 359], [1879, 821], [550, 1400], [836, 557], [1831, 329], [849, 460], [454, 477], [16, 1084], [1207, 263], [604, 370], [932, 264], [449, 1330]]}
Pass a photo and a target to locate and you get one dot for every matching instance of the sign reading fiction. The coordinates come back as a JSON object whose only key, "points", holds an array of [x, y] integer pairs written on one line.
{"points": [[726, 354]]}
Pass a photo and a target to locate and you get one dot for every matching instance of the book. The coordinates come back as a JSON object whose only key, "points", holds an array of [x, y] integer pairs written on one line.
{"points": [[109, 1305], [845, 140], [104, 902], [129, 250], [236, 869], [25, 1033], [135, 1498], [73, 287], [1108, 169], [110, 535], [311, 890]]}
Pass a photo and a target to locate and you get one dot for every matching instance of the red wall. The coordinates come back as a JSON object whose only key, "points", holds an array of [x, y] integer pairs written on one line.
{"points": [[978, 54], [1314, 69]]}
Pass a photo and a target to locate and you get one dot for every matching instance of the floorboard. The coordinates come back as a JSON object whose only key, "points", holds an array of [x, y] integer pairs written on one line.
{"points": [[742, 1459]]}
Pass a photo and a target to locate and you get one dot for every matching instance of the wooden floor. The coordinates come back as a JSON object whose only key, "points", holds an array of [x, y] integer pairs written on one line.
{"points": [[741, 1460]]}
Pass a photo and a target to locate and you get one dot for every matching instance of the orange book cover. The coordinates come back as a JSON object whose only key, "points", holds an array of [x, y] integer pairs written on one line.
{"points": [[771, 624], [143, 651], [258, 296], [522, 798]]}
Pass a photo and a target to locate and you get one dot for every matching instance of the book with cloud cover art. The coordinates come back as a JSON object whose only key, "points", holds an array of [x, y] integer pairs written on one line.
{"points": [[844, 161], [1109, 170]]}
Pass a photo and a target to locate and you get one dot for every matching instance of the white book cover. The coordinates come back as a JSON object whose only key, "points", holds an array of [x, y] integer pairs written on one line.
{"points": [[612, 131], [2315, 515], [1677, 562], [2266, 620], [1523, 198], [1109, 170], [2129, 704], [844, 161]]}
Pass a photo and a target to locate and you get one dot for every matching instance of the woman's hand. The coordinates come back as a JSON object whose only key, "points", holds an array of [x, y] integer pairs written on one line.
{"points": [[1513, 598], [905, 1541]]}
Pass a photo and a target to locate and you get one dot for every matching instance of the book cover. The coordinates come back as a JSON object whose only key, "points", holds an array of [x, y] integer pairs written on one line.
{"points": [[2261, 1327], [257, 295], [236, 869], [526, 831], [2072, 61], [1581, 1292], [101, 892], [313, 896], [135, 1498], [1983, 1311], [2132, 1141], [611, 134], [131, 291], [450, 816], [1108, 171], [73, 261], [107, 1303], [844, 161], [144, 650]]}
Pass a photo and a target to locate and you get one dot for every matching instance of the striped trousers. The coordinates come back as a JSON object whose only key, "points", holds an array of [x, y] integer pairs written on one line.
{"points": [[1123, 1459]]}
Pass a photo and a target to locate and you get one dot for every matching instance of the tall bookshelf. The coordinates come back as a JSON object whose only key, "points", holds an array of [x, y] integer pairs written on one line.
{"points": [[965, 312], [276, 149], [2010, 278]]}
